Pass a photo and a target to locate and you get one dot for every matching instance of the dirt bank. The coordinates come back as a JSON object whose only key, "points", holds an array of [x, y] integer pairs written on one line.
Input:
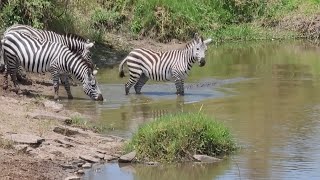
{"points": [[37, 143]]}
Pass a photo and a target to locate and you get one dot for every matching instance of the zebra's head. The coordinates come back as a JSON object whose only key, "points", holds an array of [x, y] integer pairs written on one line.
{"points": [[90, 86], [199, 49]]}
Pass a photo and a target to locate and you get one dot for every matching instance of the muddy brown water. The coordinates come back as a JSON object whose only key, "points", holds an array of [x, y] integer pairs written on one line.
{"points": [[267, 93]]}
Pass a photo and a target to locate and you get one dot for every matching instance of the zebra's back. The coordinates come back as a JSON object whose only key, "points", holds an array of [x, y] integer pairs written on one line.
{"points": [[33, 54], [155, 65]]}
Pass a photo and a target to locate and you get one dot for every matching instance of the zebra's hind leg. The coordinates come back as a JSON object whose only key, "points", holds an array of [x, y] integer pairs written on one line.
{"points": [[134, 77], [65, 81], [179, 86], [142, 81], [5, 81], [12, 70]]}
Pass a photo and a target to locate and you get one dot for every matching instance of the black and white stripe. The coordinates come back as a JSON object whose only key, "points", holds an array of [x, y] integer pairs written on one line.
{"points": [[37, 55], [174, 65], [75, 43]]}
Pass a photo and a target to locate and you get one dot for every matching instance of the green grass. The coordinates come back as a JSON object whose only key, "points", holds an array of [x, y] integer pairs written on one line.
{"points": [[177, 137], [163, 20]]}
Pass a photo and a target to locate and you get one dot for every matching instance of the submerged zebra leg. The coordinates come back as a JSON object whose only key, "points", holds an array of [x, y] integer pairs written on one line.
{"points": [[65, 81], [142, 81], [179, 86], [134, 77]]}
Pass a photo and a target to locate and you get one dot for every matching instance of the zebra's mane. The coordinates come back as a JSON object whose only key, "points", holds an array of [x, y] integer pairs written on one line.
{"points": [[86, 62], [192, 42], [75, 36]]}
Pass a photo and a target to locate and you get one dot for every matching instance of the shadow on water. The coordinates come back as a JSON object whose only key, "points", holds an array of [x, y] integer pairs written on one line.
{"points": [[267, 93]]}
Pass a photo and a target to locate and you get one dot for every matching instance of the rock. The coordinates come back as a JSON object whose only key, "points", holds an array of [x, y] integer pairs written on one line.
{"points": [[89, 158], [53, 105], [109, 157], [64, 143], [98, 155], [101, 151], [64, 119], [87, 165], [127, 157], [21, 147], [65, 131], [67, 166], [152, 163], [80, 172], [205, 158], [72, 178], [24, 139], [116, 155]]}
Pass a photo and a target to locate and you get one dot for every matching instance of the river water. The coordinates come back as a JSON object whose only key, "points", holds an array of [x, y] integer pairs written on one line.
{"points": [[267, 93]]}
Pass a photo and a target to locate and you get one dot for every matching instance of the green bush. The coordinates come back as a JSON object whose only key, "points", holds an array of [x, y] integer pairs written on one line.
{"points": [[104, 19], [178, 137], [32, 12]]}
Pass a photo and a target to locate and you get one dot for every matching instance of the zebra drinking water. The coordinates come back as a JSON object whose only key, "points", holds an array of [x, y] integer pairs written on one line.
{"points": [[145, 64], [38, 55], [75, 43]]}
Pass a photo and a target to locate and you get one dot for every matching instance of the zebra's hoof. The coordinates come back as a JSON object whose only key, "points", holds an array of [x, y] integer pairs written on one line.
{"points": [[180, 93], [70, 97]]}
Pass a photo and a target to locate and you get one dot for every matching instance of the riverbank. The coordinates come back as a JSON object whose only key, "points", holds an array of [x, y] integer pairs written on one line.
{"points": [[37, 140]]}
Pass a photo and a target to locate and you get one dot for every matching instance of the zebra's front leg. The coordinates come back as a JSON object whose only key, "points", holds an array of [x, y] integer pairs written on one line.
{"points": [[142, 81], [65, 81], [179, 86], [55, 79]]}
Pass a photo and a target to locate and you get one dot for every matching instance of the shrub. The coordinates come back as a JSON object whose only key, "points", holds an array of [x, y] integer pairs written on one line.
{"points": [[32, 12], [174, 138]]}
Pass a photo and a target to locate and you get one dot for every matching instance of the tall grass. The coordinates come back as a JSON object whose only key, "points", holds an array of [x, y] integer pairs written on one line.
{"points": [[162, 20], [178, 137]]}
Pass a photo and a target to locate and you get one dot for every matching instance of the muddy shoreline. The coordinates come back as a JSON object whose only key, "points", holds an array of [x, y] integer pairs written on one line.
{"points": [[36, 141], [59, 150]]}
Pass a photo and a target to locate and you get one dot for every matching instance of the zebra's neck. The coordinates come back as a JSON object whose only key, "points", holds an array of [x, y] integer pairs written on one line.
{"points": [[185, 58], [77, 66]]}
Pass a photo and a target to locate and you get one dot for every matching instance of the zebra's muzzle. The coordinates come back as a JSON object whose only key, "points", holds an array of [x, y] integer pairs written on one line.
{"points": [[100, 98], [202, 63]]}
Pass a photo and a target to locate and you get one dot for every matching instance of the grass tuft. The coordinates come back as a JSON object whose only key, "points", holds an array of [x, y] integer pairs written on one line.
{"points": [[177, 137]]}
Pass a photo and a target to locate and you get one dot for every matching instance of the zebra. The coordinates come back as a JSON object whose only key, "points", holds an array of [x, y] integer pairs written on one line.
{"points": [[145, 64], [40, 56], [76, 44]]}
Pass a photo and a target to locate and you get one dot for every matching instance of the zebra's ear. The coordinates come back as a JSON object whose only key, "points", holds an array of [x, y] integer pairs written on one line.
{"points": [[95, 72], [207, 41], [196, 36], [89, 45]]}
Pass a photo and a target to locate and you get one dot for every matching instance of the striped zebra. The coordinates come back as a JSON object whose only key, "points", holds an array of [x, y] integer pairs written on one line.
{"points": [[37, 55], [75, 43], [174, 65]]}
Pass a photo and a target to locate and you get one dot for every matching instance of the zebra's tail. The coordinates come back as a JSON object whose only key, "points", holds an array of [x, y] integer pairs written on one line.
{"points": [[121, 72]]}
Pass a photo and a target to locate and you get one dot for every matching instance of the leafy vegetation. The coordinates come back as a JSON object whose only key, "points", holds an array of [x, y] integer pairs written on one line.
{"points": [[174, 138], [162, 20]]}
